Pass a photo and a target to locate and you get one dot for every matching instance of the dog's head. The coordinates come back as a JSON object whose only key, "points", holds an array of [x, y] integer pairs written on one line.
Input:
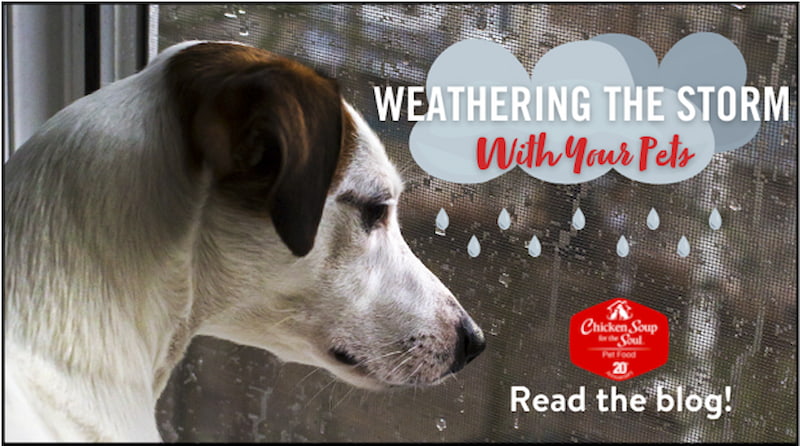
{"points": [[299, 247]]}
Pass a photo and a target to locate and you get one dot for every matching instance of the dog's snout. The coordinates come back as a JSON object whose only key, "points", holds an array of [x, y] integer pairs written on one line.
{"points": [[471, 343], [474, 342]]}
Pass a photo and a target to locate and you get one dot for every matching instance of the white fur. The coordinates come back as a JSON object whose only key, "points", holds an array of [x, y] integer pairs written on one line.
{"points": [[115, 260]]}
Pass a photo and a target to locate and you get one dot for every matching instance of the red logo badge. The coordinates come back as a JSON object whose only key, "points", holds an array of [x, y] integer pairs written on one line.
{"points": [[619, 339]]}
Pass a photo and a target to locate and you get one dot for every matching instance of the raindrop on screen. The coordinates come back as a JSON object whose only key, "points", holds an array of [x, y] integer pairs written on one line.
{"points": [[504, 220], [715, 220], [474, 247], [623, 248], [534, 247], [578, 220], [683, 247], [442, 222], [653, 220]]}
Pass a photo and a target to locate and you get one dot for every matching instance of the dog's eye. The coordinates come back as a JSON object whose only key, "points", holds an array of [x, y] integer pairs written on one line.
{"points": [[373, 214], [373, 210]]}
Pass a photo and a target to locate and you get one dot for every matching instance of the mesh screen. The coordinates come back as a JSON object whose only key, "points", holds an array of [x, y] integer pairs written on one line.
{"points": [[731, 304]]}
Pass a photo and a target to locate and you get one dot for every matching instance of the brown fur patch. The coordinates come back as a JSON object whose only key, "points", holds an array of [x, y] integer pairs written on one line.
{"points": [[271, 130], [201, 71], [348, 149]]}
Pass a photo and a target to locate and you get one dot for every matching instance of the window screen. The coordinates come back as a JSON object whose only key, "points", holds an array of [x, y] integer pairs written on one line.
{"points": [[731, 303]]}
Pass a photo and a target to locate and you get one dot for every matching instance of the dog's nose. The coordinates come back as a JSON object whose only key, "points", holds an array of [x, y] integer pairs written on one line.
{"points": [[471, 343]]}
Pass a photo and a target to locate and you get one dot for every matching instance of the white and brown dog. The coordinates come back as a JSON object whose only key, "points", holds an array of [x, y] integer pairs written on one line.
{"points": [[221, 191]]}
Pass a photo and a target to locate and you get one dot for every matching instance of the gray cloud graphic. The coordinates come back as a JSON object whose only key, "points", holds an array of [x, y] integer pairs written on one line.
{"points": [[706, 59], [447, 149]]}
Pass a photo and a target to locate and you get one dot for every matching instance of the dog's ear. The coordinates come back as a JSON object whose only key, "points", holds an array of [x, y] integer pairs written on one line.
{"points": [[271, 132]]}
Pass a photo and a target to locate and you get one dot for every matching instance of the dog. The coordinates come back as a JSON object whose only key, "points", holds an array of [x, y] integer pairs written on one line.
{"points": [[222, 191]]}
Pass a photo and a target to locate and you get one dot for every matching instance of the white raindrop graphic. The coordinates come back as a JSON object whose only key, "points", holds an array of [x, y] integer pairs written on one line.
{"points": [[535, 247], [653, 220], [504, 220], [578, 220], [442, 222], [441, 424], [623, 248], [715, 220], [683, 247], [473, 247]]}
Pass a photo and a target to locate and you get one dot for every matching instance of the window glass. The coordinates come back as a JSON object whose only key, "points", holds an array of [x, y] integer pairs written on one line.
{"points": [[731, 303]]}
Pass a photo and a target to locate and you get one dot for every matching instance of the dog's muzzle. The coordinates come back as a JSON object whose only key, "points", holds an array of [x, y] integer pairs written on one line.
{"points": [[471, 343]]}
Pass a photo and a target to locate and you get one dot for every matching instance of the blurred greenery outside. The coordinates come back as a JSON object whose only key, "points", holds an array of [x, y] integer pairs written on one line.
{"points": [[732, 303]]}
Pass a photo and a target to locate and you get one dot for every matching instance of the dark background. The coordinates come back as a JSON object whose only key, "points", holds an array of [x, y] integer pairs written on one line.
{"points": [[731, 304]]}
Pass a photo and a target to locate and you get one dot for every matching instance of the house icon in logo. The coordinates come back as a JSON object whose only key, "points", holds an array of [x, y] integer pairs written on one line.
{"points": [[619, 310]]}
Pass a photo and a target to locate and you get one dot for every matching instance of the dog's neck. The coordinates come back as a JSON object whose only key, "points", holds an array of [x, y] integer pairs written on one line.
{"points": [[114, 364], [133, 275]]}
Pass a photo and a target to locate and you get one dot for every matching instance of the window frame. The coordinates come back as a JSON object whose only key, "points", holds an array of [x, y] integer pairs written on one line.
{"points": [[57, 53]]}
